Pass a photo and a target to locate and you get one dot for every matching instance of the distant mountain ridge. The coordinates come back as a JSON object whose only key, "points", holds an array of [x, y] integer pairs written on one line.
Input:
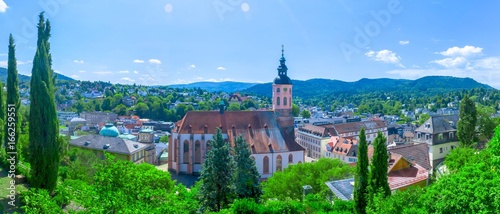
{"points": [[227, 86], [23, 78], [431, 84]]}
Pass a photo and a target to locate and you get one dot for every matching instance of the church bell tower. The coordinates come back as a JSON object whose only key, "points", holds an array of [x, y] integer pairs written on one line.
{"points": [[282, 97]]}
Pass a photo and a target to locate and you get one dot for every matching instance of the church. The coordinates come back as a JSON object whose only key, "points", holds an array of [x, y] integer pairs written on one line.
{"points": [[270, 134]]}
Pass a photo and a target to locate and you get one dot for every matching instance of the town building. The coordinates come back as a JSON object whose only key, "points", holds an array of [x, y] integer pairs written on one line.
{"points": [[402, 174], [107, 141], [98, 117], [440, 133], [344, 149], [270, 134], [314, 137], [66, 115]]}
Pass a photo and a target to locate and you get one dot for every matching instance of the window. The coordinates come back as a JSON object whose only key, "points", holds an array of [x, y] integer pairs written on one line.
{"points": [[278, 90], [279, 162], [278, 101], [197, 152], [176, 149], [266, 165], [185, 154], [419, 135], [284, 101], [290, 103], [209, 146], [451, 135], [440, 150], [427, 136]]}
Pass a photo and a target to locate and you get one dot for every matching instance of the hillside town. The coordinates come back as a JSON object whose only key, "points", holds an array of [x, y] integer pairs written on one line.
{"points": [[175, 107]]}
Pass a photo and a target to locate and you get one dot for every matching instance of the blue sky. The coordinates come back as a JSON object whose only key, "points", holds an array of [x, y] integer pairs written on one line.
{"points": [[181, 41]]}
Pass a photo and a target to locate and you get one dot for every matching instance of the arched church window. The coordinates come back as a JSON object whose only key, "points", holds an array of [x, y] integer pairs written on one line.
{"points": [[278, 101], [266, 165], [290, 158], [185, 154], [284, 101], [197, 152], [279, 163], [290, 103]]}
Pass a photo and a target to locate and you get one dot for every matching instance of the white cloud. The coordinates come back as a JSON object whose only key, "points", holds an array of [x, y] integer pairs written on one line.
{"points": [[451, 62], [221, 68], [404, 42], [5, 63], [123, 72], [127, 79], [488, 63], [3, 6], [136, 72], [465, 51], [386, 56], [102, 72], [78, 61], [138, 61], [192, 66], [81, 71], [154, 61]]}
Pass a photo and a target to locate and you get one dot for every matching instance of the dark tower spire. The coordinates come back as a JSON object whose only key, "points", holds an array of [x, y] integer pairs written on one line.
{"points": [[282, 77]]}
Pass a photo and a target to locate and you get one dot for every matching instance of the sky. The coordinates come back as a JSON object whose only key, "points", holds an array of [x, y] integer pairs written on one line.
{"points": [[163, 42]]}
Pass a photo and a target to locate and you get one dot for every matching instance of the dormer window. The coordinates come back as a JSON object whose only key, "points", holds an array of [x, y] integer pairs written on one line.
{"points": [[427, 125]]}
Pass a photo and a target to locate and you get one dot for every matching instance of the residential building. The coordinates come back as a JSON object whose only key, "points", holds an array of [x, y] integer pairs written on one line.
{"points": [[402, 174], [75, 123], [98, 117], [66, 115], [344, 149], [146, 136], [352, 129], [270, 134], [313, 138], [440, 133]]}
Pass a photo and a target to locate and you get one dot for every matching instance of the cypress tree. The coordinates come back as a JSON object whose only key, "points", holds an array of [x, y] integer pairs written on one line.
{"points": [[43, 136], [13, 102], [378, 182], [216, 177], [361, 177], [466, 132], [246, 176]]}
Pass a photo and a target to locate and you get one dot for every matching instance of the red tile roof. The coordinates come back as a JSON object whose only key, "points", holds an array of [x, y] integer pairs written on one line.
{"points": [[259, 128], [356, 126]]}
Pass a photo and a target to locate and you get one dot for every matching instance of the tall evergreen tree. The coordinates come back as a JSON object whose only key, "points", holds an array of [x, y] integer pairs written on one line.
{"points": [[217, 189], [361, 177], [246, 175], [13, 102], [466, 132], [44, 145], [378, 182]]}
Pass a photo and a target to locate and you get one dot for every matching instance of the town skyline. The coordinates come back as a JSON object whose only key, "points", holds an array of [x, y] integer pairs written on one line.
{"points": [[163, 43]]}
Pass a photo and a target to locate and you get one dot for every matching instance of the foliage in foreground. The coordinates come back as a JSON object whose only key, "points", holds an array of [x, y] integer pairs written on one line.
{"points": [[288, 183]]}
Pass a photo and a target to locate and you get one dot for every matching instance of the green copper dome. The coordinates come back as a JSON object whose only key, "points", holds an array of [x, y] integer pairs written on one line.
{"points": [[109, 131]]}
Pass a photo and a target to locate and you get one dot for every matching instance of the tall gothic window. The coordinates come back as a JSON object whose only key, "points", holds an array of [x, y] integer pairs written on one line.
{"points": [[290, 158], [176, 149], [279, 163], [284, 101], [278, 101], [185, 154], [197, 152], [290, 103], [209, 146], [266, 165]]}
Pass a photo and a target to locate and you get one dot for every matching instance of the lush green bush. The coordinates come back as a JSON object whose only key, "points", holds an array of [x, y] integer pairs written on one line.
{"points": [[38, 201], [288, 183]]}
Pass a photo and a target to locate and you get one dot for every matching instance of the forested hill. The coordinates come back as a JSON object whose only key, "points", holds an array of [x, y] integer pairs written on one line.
{"points": [[24, 78], [320, 87], [217, 86]]}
